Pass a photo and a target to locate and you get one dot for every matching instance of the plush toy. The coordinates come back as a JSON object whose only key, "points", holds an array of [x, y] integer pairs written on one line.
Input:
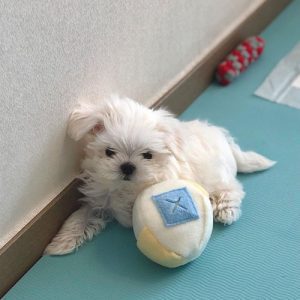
{"points": [[239, 59], [172, 222]]}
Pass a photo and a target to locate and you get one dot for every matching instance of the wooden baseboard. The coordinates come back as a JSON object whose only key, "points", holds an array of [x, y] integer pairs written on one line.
{"points": [[20, 253], [24, 249]]}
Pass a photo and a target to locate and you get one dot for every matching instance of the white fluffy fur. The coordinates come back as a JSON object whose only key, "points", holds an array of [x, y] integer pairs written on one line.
{"points": [[193, 150]]}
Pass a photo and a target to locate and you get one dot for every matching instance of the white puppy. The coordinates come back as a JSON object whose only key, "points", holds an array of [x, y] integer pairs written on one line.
{"points": [[129, 147]]}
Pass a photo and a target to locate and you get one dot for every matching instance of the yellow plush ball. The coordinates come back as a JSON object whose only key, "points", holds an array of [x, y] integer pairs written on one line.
{"points": [[172, 222]]}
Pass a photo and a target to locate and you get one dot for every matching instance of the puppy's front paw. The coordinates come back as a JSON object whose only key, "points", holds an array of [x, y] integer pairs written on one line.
{"points": [[81, 226], [225, 210], [62, 244], [227, 215]]}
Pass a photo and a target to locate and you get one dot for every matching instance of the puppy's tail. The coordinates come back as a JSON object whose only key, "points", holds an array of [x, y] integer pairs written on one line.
{"points": [[249, 161]]}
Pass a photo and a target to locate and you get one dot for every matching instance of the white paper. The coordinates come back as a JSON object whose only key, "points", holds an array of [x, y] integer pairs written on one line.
{"points": [[283, 84]]}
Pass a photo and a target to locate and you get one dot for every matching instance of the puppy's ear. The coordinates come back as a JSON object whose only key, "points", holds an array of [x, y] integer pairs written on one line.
{"points": [[168, 126], [83, 120], [172, 141]]}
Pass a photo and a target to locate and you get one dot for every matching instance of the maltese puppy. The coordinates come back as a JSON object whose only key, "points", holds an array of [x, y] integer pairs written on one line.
{"points": [[129, 147]]}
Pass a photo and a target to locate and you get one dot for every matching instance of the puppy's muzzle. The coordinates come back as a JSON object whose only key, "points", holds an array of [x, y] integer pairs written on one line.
{"points": [[127, 169]]}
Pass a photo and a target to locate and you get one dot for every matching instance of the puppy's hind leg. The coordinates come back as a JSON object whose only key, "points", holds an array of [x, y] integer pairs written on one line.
{"points": [[226, 202], [81, 226]]}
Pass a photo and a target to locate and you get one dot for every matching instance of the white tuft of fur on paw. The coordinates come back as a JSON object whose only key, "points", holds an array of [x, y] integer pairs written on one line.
{"points": [[226, 206], [62, 244], [81, 226], [227, 215]]}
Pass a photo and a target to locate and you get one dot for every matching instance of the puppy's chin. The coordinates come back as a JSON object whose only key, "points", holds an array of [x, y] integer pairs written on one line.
{"points": [[126, 178], [136, 180], [129, 179]]}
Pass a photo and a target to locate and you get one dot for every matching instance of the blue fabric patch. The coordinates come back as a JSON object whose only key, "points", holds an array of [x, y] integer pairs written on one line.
{"points": [[176, 207]]}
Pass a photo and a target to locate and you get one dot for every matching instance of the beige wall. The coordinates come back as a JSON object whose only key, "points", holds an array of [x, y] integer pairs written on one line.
{"points": [[54, 52]]}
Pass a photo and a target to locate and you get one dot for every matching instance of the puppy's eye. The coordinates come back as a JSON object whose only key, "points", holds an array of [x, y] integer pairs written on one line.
{"points": [[109, 152], [147, 155]]}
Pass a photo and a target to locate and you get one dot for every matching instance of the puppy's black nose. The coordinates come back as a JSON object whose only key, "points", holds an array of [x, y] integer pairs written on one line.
{"points": [[127, 168]]}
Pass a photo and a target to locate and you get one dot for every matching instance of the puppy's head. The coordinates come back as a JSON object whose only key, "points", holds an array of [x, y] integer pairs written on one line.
{"points": [[124, 141]]}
